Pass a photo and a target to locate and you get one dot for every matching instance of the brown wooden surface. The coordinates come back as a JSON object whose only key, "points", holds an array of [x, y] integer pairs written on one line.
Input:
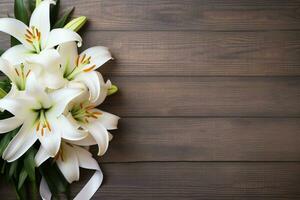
{"points": [[205, 139], [209, 97], [206, 96]]}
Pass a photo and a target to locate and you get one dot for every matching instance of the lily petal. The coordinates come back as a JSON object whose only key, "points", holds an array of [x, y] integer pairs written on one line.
{"points": [[41, 156], [100, 134], [38, 92], [51, 139], [103, 91], [6, 68], [16, 106], [108, 120], [99, 55], [68, 163], [40, 19], [15, 28], [69, 53], [24, 139], [85, 159], [92, 82], [69, 132], [60, 36], [62, 98], [87, 141], [44, 190], [9, 124], [17, 54], [49, 59]]}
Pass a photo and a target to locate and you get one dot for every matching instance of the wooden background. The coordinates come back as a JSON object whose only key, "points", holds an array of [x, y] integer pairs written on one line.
{"points": [[209, 97]]}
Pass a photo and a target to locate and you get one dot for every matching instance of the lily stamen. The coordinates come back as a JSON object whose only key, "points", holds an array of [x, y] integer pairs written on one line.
{"points": [[17, 72], [43, 123], [33, 36], [82, 112], [89, 69]]}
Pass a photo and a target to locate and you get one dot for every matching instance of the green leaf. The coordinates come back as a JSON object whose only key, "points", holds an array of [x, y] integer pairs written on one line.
{"points": [[1, 52], [13, 168], [54, 178], [63, 20], [54, 10], [29, 164], [2, 93], [31, 5], [22, 177], [21, 12], [14, 42], [3, 167], [5, 84], [4, 142], [6, 139]]}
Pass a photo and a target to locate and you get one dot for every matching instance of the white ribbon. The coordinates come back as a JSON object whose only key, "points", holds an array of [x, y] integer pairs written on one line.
{"points": [[87, 191]]}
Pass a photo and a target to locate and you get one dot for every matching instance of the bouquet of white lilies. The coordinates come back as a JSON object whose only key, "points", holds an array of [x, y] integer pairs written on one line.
{"points": [[48, 103]]}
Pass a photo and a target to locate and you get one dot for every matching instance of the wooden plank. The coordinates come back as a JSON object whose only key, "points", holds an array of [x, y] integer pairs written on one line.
{"points": [[205, 139], [188, 14], [171, 181], [187, 181], [200, 54], [197, 53], [205, 96]]}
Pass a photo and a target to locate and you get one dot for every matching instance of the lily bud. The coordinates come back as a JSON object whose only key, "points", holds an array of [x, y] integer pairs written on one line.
{"points": [[112, 90], [76, 24]]}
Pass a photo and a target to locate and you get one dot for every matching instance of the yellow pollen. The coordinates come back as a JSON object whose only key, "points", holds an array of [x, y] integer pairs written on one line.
{"points": [[83, 58], [32, 35], [17, 72], [97, 113], [28, 73], [89, 69], [48, 126], [77, 61], [89, 107], [38, 126]]}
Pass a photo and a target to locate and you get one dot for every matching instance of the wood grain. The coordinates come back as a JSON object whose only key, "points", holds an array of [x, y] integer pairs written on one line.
{"points": [[205, 139], [189, 181], [183, 15], [205, 96], [199, 181], [198, 54], [189, 14]]}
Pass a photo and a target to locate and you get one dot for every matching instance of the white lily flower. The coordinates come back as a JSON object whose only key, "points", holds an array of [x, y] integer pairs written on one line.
{"points": [[37, 37], [48, 74], [17, 74], [84, 114], [81, 68], [69, 159], [39, 115]]}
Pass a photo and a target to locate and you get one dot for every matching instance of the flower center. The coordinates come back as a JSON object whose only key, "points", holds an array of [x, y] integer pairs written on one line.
{"points": [[83, 112], [81, 62], [33, 36], [42, 123], [22, 75]]}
